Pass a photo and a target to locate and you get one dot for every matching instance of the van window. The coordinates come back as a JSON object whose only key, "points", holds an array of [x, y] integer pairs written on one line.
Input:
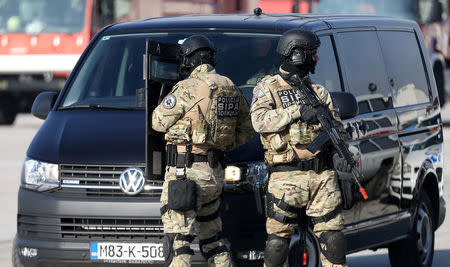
{"points": [[365, 71], [113, 80], [327, 73], [405, 66]]}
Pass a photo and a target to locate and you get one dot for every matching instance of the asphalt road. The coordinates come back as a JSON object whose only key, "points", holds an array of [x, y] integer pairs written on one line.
{"points": [[14, 143]]}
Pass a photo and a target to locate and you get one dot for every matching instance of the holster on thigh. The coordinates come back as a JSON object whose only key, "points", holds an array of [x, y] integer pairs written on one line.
{"points": [[182, 195]]}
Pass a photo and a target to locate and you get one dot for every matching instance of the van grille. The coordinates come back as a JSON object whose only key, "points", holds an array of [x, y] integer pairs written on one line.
{"points": [[90, 228], [111, 228], [100, 180]]}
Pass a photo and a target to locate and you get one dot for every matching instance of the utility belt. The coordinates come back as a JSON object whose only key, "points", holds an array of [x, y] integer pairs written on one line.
{"points": [[182, 192], [317, 164], [180, 160]]}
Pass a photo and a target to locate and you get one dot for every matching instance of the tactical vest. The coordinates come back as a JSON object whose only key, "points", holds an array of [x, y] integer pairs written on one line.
{"points": [[289, 144], [216, 127]]}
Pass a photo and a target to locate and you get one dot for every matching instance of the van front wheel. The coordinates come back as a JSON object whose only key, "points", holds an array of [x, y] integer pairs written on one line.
{"points": [[312, 249], [418, 248]]}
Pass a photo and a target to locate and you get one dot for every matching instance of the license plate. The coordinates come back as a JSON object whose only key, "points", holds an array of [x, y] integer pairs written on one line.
{"points": [[126, 252]]}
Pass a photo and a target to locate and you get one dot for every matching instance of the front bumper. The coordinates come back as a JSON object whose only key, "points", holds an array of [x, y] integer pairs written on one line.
{"points": [[63, 227]]}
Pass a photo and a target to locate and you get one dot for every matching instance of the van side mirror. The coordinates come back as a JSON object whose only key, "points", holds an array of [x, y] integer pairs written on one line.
{"points": [[43, 103], [346, 103]]}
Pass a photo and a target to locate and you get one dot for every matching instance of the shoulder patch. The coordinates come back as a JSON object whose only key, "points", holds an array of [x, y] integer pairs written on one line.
{"points": [[257, 94], [169, 101]]}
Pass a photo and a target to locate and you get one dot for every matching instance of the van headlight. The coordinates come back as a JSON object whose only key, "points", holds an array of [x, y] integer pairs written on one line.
{"points": [[232, 174], [251, 172], [39, 176]]}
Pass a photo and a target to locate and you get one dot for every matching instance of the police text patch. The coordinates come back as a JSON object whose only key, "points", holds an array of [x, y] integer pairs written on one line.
{"points": [[169, 101], [290, 97], [227, 106]]}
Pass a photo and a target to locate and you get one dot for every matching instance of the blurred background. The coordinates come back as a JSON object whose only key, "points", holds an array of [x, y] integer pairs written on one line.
{"points": [[41, 41]]}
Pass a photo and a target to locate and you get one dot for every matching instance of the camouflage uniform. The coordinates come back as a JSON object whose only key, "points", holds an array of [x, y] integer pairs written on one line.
{"points": [[285, 138], [177, 116]]}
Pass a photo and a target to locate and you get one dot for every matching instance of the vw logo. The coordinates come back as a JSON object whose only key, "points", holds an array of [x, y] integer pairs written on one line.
{"points": [[132, 181]]}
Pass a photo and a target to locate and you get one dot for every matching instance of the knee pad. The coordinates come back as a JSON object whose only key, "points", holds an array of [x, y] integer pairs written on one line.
{"points": [[168, 248], [335, 246], [213, 252], [168, 251], [277, 251]]}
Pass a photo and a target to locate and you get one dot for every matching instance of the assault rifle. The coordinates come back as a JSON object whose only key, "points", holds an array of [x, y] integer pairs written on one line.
{"points": [[329, 132]]}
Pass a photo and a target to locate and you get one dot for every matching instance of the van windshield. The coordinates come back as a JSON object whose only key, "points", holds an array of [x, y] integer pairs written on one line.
{"points": [[113, 70]]}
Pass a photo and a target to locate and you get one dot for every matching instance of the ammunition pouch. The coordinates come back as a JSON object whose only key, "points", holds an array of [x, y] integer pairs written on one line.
{"points": [[180, 133], [301, 133], [215, 157]]}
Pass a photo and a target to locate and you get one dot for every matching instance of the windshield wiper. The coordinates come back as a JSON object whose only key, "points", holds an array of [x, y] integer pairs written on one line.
{"points": [[95, 106]]}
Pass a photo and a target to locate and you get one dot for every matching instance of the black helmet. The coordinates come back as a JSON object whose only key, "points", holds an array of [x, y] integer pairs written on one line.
{"points": [[295, 38], [194, 51], [297, 47], [194, 43]]}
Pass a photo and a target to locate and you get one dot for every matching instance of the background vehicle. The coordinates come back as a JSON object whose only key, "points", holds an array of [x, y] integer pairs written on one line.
{"points": [[70, 192], [41, 40], [430, 14]]}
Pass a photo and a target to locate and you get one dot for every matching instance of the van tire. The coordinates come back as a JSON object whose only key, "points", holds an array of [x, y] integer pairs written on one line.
{"points": [[418, 248], [312, 249]]}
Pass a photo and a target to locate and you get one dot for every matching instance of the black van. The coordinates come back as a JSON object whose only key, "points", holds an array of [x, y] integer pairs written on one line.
{"points": [[73, 208]]}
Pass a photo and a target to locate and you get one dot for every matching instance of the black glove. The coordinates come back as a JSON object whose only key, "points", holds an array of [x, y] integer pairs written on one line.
{"points": [[308, 115], [340, 164]]}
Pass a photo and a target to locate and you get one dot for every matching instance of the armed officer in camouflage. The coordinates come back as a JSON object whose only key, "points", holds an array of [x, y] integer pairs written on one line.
{"points": [[204, 115], [298, 179]]}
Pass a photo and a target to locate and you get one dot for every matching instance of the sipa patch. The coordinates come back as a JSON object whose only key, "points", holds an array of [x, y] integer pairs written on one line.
{"points": [[169, 101], [290, 97], [227, 106]]}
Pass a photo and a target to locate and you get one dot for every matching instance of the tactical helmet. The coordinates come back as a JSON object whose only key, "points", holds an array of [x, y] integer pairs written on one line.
{"points": [[295, 38], [194, 43], [196, 50]]}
